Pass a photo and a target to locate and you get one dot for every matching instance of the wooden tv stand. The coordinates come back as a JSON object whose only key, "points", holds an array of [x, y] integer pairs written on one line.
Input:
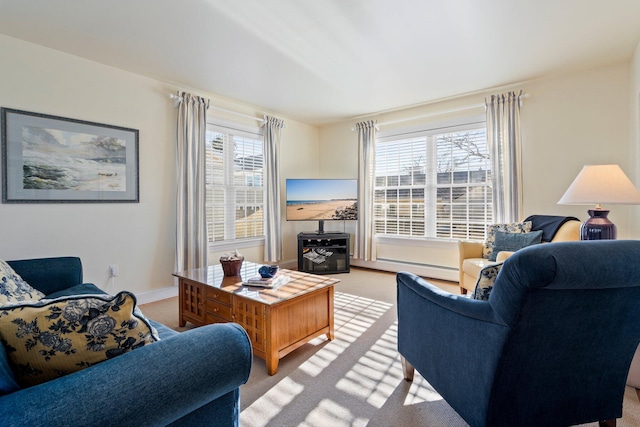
{"points": [[323, 253]]}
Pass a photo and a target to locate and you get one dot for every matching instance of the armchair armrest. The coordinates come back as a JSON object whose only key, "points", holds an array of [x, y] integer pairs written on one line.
{"points": [[569, 231], [467, 249], [49, 275], [459, 304], [470, 249], [503, 255], [153, 385]]}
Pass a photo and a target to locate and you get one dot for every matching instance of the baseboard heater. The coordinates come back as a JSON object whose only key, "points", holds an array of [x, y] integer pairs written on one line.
{"points": [[421, 269]]}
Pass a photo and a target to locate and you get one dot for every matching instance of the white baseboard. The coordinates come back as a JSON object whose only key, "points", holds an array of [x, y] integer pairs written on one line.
{"points": [[424, 270], [157, 295]]}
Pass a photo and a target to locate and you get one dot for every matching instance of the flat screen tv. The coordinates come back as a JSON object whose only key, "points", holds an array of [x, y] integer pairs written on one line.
{"points": [[322, 200]]}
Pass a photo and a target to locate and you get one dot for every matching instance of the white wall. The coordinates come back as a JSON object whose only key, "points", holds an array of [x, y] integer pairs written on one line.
{"points": [[300, 157], [568, 121], [139, 237]]}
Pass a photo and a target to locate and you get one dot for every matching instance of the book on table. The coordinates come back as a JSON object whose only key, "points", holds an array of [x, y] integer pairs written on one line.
{"points": [[267, 282]]}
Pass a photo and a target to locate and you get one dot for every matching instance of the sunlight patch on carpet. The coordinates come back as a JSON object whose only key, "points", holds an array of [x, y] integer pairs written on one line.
{"points": [[375, 375], [421, 392], [323, 358], [272, 402], [330, 413], [361, 390], [353, 316]]}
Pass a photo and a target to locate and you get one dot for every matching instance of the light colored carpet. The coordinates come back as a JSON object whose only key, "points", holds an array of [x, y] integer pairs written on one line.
{"points": [[354, 380]]}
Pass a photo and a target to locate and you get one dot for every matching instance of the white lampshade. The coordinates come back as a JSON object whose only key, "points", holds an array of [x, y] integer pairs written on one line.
{"points": [[601, 184]]}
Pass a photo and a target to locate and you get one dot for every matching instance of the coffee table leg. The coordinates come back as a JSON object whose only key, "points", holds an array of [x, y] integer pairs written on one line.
{"points": [[270, 348], [330, 334], [271, 356], [272, 364], [181, 321]]}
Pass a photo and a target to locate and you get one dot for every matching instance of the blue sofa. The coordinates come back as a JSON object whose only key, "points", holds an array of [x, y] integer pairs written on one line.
{"points": [[550, 347], [191, 378]]}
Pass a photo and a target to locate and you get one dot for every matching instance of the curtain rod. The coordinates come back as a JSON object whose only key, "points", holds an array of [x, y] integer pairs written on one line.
{"points": [[246, 116], [438, 113]]}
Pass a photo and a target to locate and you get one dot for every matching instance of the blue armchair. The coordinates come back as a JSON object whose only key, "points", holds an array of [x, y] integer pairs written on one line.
{"points": [[551, 346], [189, 378]]}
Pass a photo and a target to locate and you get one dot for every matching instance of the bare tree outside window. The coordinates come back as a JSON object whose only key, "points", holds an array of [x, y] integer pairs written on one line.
{"points": [[434, 186]]}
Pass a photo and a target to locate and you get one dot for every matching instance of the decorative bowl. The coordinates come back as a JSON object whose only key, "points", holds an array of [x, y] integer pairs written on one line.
{"points": [[268, 271]]}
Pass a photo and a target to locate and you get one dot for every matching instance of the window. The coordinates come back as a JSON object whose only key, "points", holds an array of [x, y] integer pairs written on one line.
{"points": [[234, 184], [433, 183]]}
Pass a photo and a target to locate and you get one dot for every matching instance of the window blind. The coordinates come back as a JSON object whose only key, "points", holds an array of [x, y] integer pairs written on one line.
{"points": [[433, 183], [234, 183]]}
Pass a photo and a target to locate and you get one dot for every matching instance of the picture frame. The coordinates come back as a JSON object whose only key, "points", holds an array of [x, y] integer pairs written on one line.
{"points": [[51, 159]]}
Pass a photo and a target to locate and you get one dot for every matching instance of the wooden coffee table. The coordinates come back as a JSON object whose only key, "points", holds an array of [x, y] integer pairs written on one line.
{"points": [[277, 320]]}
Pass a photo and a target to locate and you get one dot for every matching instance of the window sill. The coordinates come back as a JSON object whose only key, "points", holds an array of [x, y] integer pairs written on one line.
{"points": [[230, 245]]}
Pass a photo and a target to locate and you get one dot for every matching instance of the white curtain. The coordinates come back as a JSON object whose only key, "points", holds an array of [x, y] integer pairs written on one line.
{"points": [[504, 139], [365, 248], [272, 216], [191, 230]]}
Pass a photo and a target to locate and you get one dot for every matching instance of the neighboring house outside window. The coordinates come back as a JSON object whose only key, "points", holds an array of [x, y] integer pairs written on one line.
{"points": [[234, 183], [433, 183]]}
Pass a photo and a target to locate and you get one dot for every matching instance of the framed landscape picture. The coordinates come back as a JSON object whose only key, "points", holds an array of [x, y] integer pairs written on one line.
{"points": [[49, 159]]}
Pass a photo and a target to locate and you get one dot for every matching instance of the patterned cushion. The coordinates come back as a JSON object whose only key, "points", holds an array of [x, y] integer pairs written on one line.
{"points": [[484, 285], [52, 338], [514, 227], [513, 241], [13, 289]]}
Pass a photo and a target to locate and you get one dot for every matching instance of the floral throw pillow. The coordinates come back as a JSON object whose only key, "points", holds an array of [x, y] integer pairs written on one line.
{"points": [[514, 227], [13, 289], [484, 285], [51, 338]]}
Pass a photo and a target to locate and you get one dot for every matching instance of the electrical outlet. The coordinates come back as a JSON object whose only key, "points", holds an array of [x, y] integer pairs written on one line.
{"points": [[114, 270]]}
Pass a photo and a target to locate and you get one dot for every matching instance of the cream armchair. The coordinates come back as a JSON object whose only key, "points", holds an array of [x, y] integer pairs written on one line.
{"points": [[471, 260]]}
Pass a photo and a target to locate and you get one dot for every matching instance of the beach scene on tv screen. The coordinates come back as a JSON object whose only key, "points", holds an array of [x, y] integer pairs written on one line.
{"points": [[322, 199]]}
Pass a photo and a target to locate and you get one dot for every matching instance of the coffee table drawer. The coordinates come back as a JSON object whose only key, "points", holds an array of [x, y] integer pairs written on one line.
{"points": [[212, 318], [218, 309], [218, 295]]}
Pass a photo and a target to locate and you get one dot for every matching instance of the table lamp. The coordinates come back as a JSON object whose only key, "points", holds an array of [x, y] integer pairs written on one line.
{"points": [[600, 184]]}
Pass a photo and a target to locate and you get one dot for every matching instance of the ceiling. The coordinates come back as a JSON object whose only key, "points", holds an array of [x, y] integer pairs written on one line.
{"points": [[320, 61]]}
